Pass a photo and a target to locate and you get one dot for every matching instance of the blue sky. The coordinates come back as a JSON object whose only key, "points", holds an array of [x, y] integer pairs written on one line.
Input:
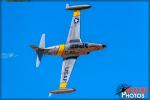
{"points": [[122, 26]]}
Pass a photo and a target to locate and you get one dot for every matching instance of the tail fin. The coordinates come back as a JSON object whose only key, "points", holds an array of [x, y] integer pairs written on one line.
{"points": [[67, 5], [39, 54], [42, 42], [37, 49], [38, 59]]}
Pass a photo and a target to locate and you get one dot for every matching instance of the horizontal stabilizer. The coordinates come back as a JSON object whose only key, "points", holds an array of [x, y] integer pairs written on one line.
{"points": [[42, 41], [39, 50], [39, 54]]}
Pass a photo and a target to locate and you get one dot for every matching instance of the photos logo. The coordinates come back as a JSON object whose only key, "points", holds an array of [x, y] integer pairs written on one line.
{"points": [[127, 92], [131, 93]]}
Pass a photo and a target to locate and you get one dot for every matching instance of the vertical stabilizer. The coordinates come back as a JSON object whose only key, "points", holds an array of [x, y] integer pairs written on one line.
{"points": [[67, 6], [39, 54], [42, 41]]}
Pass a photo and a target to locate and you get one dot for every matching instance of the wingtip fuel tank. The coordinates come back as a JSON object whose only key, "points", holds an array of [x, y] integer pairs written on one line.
{"points": [[77, 7], [60, 91]]}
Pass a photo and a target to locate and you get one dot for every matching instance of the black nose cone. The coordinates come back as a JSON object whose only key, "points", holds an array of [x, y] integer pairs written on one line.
{"points": [[104, 46]]}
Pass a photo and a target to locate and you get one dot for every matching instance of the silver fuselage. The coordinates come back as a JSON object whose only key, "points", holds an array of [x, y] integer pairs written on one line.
{"points": [[72, 49]]}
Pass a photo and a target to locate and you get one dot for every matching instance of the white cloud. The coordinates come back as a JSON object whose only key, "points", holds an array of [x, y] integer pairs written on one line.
{"points": [[8, 55]]}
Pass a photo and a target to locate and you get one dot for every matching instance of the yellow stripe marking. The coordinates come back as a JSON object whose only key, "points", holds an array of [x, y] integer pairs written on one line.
{"points": [[60, 50], [63, 85], [76, 13]]}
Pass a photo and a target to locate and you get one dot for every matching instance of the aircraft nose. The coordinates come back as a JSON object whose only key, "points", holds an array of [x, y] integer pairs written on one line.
{"points": [[104, 46]]}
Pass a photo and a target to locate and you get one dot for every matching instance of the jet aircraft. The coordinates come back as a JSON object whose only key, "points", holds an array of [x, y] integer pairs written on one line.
{"points": [[70, 51]]}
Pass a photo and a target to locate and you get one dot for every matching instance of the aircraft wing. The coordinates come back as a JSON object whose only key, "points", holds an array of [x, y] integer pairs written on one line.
{"points": [[74, 32], [67, 67]]}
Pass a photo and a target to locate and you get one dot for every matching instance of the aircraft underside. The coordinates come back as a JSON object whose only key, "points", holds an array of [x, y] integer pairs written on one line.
{"points": [[70, 51]]}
